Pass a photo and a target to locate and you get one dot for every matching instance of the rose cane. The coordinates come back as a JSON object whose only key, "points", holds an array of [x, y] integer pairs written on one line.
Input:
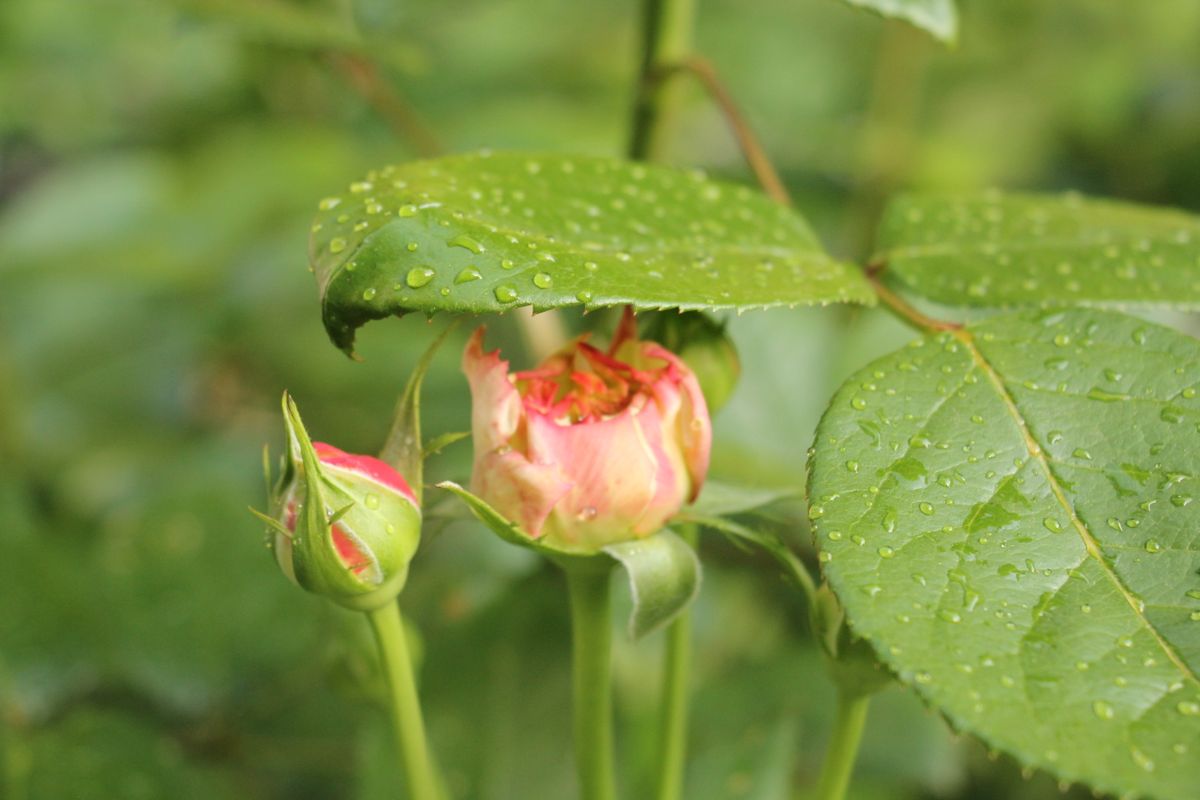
{"points": [[590, 449], [345, 527]]}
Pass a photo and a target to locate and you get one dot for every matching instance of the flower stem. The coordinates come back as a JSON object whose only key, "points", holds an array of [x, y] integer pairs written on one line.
{"points": [[666, 39], [843, 745], [673, 713], [406, 709], [591, 639]]}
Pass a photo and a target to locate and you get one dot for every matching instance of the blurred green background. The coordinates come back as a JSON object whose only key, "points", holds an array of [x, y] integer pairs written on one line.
{"points": [[159, 165]]}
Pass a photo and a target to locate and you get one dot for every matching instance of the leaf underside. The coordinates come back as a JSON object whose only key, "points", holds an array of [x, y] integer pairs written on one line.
{"points": [[1007, 513], [999, 250], [489, 232], [938, 18]]}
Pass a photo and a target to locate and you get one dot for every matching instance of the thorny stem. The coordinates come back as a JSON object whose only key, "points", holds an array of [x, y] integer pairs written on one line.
{"points": [[752, 149], [364, 77]]}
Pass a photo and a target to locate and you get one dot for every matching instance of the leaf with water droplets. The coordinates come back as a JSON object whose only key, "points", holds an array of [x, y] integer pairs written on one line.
{"points": [[938, 18], [1011, 545], [490, 232], [999, 250]]}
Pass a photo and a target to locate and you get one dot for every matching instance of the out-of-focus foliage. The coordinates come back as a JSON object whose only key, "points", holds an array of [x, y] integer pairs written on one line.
{"points": [[159, 167]]}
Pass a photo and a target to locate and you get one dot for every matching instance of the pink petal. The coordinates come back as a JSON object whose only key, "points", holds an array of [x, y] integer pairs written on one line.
{"points": [[365, 466]]}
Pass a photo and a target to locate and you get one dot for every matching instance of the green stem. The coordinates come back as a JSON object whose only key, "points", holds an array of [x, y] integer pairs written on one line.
{"points": [[405, 706], [843, 745], [591, 639], [667, 27], [673, 714]]}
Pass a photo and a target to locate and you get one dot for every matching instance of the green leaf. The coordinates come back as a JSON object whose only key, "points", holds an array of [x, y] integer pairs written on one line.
{"points": [[663, 571], [719, 498], [664, 577], [1007, 513], [489, 232], [403, 448], [938, 18], [996, 250]]}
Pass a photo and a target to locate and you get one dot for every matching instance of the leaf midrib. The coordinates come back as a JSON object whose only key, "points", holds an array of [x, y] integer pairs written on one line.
{"points": [[1091, 545], [970, 248]]}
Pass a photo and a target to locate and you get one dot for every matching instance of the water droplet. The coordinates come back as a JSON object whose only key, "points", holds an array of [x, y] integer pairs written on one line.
{"points": [[1141, 759], [1103, 710], [825, 557], [467, 275], [464, 241], [505, 293], [1188, 708], [949, 616], [1052, 525], [337, 244], [1062, 340], [925, 508], [1079, 452], [371, 500], [886, 552], [852, 466], [1152, 546], [858, 403], [329, 203], [368, 293], [406, 210], [418, 277], [583, 296], [1138, 336], [543, 280]]}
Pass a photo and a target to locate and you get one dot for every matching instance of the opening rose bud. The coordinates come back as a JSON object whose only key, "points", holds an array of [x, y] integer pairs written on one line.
{"points": [[345, 526], [592, 447]]}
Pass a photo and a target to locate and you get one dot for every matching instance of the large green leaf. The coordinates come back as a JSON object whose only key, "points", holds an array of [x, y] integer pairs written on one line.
{"points": [[1000, 250], [939, 18], [490, 232], [1007, 513]]}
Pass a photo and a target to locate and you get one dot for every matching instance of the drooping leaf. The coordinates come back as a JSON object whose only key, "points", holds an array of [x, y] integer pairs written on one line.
{"points": [[663, 571], [1007, 513], [664, 576], [938, 18], [489, 232], [997, 250]]}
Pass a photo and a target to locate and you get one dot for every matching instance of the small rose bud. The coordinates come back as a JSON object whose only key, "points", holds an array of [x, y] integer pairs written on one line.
{"points": [[705, 347], [344, 526], [592, 447]]}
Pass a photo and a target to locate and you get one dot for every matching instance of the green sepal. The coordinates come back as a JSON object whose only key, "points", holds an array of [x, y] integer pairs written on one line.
{"points": [[664, 577], [663, 571], [402, 448]]}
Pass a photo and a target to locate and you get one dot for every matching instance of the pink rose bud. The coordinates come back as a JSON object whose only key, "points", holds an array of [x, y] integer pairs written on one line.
{"points": [[592, 447], [345, 526]]}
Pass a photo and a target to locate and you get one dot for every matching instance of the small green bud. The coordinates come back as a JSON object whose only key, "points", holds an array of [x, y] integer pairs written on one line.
{"points": [[344, 526], [705, 347]]}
